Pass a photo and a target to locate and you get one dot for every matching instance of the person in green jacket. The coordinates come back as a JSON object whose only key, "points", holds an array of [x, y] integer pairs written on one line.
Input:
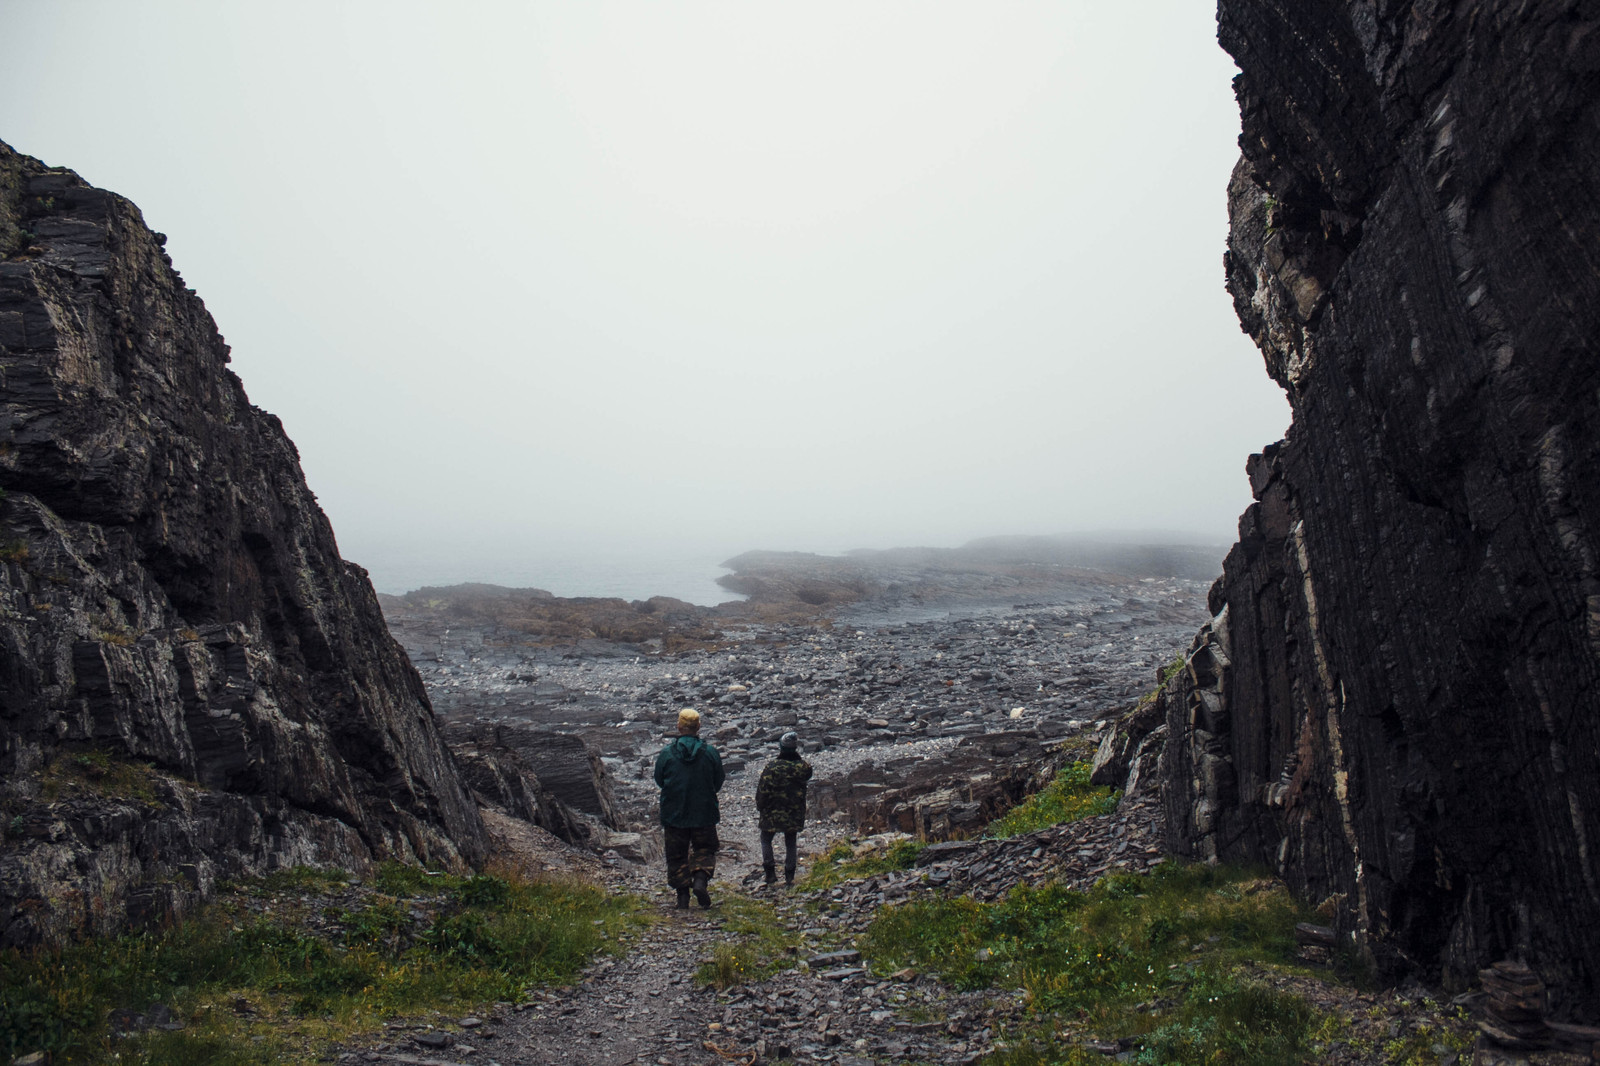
{"points": [[689, 774], [781, 805]]}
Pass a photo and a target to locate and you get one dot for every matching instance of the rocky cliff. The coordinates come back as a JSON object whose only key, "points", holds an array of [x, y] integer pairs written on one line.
{"points": [[1396, 702], [193, 684]]}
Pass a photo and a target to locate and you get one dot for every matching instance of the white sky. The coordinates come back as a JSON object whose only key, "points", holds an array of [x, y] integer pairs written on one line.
{"points": [[568, 278]]}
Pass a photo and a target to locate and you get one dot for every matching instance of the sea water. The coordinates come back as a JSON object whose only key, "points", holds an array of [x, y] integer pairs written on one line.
{"points": [[689, 575]]}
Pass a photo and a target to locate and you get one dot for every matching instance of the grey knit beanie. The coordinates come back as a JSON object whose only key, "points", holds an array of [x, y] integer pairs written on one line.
{"points": [[790, 740]]}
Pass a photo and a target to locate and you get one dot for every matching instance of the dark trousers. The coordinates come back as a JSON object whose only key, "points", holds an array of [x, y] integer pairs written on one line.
{"points": [[767, 858], [690, 851]]}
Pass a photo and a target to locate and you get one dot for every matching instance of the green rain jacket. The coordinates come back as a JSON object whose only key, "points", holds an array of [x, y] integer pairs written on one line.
{"points": [[689, 772]]}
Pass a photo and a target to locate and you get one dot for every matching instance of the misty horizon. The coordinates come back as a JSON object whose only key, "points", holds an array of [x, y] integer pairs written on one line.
{"points": [[610, 282], [686, 572]]}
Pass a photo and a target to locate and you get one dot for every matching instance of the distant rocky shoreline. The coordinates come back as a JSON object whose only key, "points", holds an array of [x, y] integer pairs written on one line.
{"points": [[929, 687]]}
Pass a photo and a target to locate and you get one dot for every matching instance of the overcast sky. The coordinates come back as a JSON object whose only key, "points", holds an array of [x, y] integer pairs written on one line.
{"points": [[566, 278]]}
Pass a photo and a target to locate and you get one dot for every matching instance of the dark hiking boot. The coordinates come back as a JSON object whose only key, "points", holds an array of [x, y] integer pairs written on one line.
{"points": [[788, 876], [683, 899], [701, 896], [772, 874]]}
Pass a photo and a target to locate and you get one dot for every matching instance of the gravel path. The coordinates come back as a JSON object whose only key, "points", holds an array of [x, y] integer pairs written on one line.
{"points": [[644, 1008]]}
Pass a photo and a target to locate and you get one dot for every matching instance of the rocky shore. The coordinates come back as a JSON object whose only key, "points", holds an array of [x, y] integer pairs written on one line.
{"points": [[926, 703]]}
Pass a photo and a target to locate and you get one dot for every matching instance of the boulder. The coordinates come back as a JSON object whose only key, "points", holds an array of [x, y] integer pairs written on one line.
{"points": [[542, 776], [993, 772], [499, 778], [1115, 756], [642, 847]]}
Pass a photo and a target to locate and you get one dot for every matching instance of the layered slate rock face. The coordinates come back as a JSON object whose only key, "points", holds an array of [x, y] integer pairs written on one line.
{"points": [[192, 682], [1396, 703], [550, 779]]}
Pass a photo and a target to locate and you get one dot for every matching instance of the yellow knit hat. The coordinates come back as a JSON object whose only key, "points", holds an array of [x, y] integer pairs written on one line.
{"points": [[688, 720]]}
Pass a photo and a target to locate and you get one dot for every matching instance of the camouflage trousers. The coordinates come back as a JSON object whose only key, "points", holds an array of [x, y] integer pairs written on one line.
{"points": [[690, 851]]}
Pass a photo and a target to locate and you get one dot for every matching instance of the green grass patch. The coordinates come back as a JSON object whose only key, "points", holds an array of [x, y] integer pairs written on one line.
{"points": [[844, 862], [1220, 1018], [730, 965], [761, 944], [298, 879], [1178, 938], [1068, 798], [468, 941], [201, 1048], [1416, 1048], [98, 773], [400, 880]]}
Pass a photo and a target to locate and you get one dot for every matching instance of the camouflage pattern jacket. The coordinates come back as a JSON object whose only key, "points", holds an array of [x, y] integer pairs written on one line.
{"points": [[781, 794]]}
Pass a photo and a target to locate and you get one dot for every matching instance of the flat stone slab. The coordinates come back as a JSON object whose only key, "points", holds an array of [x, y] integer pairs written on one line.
{"points": [[945, 850], [834, 958], [843, 972]]}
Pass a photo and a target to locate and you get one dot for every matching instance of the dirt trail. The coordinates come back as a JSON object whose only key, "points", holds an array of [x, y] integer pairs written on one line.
{"points": [[641, 1007], [644, 1007]]}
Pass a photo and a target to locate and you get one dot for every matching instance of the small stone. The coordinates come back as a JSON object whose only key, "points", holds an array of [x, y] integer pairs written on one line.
{"points": [[842, 973], [833, 958], [1308, 933]]}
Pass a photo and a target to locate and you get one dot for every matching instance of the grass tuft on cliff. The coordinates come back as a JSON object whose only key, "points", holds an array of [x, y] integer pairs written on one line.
{"points": [[1069, 798], [97, 772], [279, 966], [1171, 958]]}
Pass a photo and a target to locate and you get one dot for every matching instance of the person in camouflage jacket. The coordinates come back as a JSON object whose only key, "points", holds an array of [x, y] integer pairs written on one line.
{"points": [[781, 804]]}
